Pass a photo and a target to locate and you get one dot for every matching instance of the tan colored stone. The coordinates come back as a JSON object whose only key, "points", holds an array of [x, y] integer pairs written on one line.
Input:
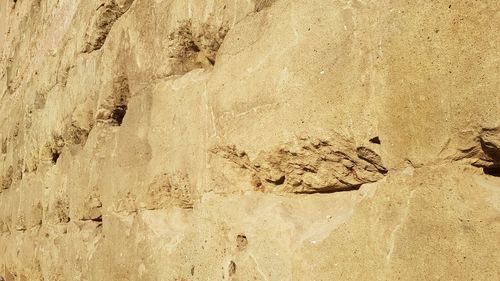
{"points": [[249, 140]]}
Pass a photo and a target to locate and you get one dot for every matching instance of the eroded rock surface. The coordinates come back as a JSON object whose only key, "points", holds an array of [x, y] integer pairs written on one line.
{"points": [[308, 166], [249, 140]]}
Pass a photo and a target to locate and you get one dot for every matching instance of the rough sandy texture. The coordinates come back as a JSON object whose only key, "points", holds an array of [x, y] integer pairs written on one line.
{"points": [[249, 140]]}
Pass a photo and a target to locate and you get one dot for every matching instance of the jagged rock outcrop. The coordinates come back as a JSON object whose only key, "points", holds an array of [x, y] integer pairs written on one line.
{"points": [[480, 149], [308, 166], [107, 13], [249, 140]]}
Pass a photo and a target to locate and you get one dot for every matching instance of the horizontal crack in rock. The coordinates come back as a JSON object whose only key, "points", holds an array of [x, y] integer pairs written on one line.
{"points": [[309, 166], [478, 149]]}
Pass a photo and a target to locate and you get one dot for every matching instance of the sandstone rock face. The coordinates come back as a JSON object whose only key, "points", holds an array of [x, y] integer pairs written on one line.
{"points": [[249, 140]]}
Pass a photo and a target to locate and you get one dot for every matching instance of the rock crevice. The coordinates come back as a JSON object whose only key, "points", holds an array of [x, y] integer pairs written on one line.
{"points": [[309, 165]]}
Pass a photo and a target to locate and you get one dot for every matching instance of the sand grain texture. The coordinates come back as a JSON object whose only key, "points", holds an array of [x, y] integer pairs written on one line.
{"points": [[249, 140]]}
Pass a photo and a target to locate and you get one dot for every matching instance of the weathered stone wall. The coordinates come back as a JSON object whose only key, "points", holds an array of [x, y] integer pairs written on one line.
{"points": [[249, 140]]}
